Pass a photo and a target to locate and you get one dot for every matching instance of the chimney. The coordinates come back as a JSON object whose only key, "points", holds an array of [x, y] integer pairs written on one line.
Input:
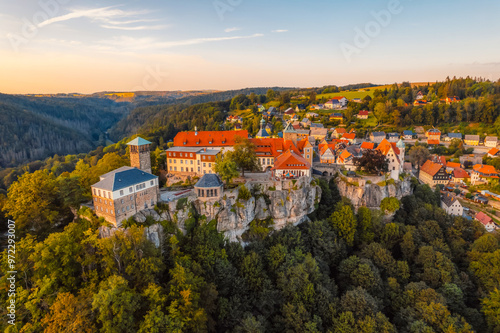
{"points": [[196, 130]]}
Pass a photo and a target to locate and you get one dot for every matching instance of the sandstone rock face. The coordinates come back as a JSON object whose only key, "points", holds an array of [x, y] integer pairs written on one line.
{"points": [[286, 202], [153, 233], [371, 195]]}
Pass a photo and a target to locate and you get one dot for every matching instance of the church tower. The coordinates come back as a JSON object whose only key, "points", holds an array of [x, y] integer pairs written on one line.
{"points": [[140, 157], [290, 133]]}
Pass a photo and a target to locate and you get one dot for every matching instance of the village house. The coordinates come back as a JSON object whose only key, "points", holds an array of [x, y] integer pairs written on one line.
{"points": [[338, 132], [305, 122], [419, 96], [377, 137], [124, 192], [420, 102], [486, 221], [311, 115], [491, 141], [433, 174], [316, 125], [450, 166], [326, 154], [471, 140], [234, 119], [362, 115], [493, 152], [395, 155], [459, 176], [433, 136], [393, 137], [351, 137], [300, 108], [336, 103], [452, 136], [336, 117], [367, 145], [291, 165], [451, 205], [318, 133], [408, 135], [192, 161], [453, 99], [289, 112], [482, 173]]}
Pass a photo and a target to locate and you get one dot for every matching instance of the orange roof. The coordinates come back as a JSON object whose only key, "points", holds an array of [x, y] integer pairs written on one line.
{"points": [[208, 138], [276, 146], [337, 98], [385, 146], [363, 113], [367, 145], [340, 130], [460, 173], [453, 165], [493, 151], [432, 142], [485, 169], [345, 155], [483, 218], [349, 136], [291, 161], [430, 168]]}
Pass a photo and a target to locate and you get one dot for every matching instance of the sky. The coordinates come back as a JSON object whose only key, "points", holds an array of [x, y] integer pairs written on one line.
{"points": [[76, 46]]}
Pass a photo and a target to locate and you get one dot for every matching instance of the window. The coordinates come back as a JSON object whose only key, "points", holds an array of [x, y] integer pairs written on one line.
{"points": [[191, 155], [95, 192], [209, 165], [175, 161], [99, 192], [175, 168], [307, 156], [151, 182], [182, 161], [170, 168], [199, 169], [127, 209], [132, 206], [105, 202], [169, 160], [191, 162], [131, 197], [130, 189], [122, 200], [182, 168], [204, 164], [191, 169], [152, 202], [121, 192]]}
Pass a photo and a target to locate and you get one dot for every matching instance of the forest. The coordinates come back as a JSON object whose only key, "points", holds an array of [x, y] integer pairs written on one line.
{"points": [[346, 271]]}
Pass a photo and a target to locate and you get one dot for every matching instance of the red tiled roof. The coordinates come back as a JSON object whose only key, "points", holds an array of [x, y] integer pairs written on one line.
{"points": [[430, 168], [460, 173], [338, 98], [432, 142], [367, 145], [486, 169], [345, 155], [483, 218], [493, 151], [203, 138], [292, 161], [340, 130], [363, 113], [349, 136], [384, 147], [452, 165]]}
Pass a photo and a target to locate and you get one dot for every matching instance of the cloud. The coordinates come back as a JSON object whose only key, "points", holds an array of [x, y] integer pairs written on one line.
{"points": [[109, 17], [279, 31], [232, 29], [136, 28], [149, 43]]}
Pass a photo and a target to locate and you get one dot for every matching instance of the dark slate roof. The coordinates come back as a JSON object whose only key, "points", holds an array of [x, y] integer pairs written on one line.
{"points": [[455, 135], [120, 179], [209, 180], [379, 134], [448, 199], [407, 132]]}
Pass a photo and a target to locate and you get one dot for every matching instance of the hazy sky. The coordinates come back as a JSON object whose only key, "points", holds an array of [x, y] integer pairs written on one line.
{"points": [[51, 46]]}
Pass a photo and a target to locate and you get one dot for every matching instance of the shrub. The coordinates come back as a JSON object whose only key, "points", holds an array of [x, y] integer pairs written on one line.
{"points": [[181, 204], [243, 193], [258, 230], [389, 204]]}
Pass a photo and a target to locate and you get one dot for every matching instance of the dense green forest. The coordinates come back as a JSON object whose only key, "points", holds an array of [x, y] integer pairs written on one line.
{"points": [[424, 271]]}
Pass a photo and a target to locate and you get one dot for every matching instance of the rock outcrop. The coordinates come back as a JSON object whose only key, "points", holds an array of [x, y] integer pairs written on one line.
{"points": [[286, 202], [153, 233], [371, 195]]}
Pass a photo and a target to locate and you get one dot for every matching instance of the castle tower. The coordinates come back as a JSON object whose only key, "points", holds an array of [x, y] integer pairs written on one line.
{"points": [[140, 157], [290, 133]]}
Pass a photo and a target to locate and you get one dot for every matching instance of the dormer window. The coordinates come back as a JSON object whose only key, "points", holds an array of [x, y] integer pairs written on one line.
{"points": [[185, 142]]}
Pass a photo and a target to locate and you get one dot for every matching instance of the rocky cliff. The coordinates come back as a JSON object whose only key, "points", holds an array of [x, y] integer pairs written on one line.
{"points": [[286, 202], [371, 195]]}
